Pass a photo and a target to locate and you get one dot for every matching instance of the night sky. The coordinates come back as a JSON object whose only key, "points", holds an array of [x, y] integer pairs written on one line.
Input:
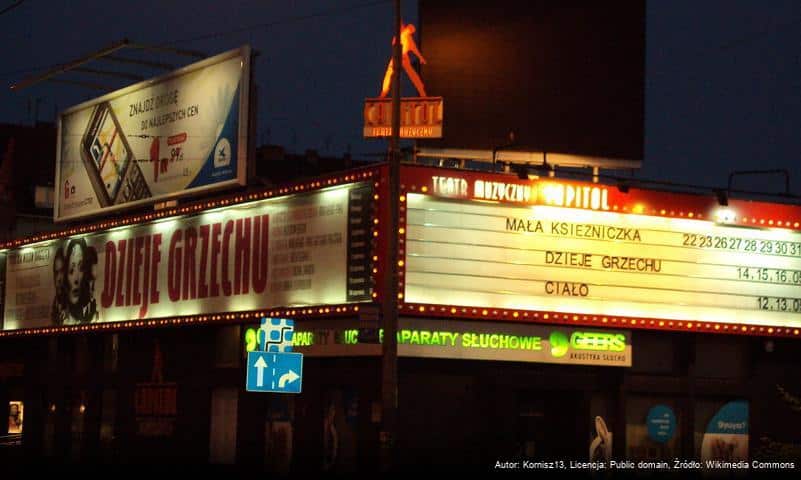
{"points": [[723, 78]]}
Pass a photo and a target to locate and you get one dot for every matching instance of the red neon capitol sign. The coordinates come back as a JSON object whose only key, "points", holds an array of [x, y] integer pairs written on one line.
{"points": [[557, 194]]}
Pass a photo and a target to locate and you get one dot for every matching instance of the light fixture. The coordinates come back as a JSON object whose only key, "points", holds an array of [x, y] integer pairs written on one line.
{"points": [[725, 215]]}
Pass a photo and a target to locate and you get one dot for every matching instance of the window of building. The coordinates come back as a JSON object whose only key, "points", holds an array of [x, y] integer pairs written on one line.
{"points": [[653, 428], [721, 429], [16, 411]]}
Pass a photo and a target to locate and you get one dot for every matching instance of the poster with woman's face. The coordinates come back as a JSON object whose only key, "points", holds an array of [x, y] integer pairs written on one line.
{"points": [[15, 416], [74, 276]]}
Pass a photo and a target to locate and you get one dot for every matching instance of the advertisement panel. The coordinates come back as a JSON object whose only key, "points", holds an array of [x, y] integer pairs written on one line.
{"points": [[162, 138], [577, 248], [431, 338], [726, 435], [285, 251]]}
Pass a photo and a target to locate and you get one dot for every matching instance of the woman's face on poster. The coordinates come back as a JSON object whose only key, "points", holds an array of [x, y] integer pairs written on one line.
{"points": [[58, 273], [75, 274]]}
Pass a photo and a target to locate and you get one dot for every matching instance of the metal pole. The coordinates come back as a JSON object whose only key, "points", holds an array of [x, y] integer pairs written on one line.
{"points": [[389, 371]]}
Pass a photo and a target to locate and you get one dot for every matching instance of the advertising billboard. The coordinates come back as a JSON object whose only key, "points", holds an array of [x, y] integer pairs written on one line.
{"points": [[174, 135], [590, 249], [286, 251]]}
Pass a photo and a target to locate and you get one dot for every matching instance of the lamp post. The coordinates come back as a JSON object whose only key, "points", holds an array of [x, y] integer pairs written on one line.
{"points": [[389, 358]]}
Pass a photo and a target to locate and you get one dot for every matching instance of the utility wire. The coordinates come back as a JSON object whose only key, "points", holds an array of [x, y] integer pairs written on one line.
{"points": [[12, 6], [223, 33]]}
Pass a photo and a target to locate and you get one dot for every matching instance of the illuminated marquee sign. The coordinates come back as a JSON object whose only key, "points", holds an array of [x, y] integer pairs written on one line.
{"points": [[594, 197], [298, 250], [579, 248], [473, 341], [420, 117]]}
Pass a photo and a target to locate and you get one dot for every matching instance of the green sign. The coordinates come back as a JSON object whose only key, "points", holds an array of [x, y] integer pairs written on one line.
{"points": [[473, 340]]}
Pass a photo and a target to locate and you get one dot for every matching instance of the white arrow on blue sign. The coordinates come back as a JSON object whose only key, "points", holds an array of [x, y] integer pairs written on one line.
{"points": [[274, 372]]}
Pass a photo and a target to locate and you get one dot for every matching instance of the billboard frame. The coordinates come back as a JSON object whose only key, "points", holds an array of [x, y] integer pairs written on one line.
{"points": [[243, 133]]}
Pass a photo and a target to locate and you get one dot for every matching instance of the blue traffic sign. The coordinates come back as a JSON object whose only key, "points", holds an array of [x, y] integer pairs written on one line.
{"points": [[274, 372]]}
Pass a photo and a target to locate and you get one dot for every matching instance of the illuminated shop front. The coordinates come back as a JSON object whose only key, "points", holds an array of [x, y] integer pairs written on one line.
{"points": [[529, 309]]}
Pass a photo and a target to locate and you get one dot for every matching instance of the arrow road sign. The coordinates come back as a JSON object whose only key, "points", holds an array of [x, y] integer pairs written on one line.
{"points": [[274, 372], [260, 366], [288, 377]]}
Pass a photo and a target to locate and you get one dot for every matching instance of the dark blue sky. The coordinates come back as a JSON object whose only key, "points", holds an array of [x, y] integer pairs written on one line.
{"points": [[723, 78]]}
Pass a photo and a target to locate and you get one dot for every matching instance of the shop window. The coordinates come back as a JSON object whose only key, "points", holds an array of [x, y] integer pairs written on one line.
{"points": [[602, 420], [222, 436], [16, 412], [721, 430], [228, 346], [653, 428]]}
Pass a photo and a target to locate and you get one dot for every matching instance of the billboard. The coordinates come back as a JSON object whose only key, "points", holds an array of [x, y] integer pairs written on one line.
{"points": [[287, 251], [174, 135], [495, 241]]}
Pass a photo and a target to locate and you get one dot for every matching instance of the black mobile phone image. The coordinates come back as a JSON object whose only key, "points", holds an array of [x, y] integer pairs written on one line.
{"points": [[113, 171]]}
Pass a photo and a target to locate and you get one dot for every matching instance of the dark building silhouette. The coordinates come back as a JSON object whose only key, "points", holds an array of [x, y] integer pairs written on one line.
{"points": [[566, 77]]}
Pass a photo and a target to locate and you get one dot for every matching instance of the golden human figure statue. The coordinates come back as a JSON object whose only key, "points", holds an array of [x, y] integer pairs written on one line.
{"points": [[407, 45]]}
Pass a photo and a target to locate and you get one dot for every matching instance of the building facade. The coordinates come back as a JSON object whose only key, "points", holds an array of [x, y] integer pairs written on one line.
{"points": [[531, 309]]}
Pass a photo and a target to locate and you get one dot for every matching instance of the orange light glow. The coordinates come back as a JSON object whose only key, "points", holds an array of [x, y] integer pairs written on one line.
{"points": [[408, 45]]}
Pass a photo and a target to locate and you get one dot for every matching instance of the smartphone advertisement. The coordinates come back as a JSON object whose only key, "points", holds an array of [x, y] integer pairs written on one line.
{"points": [[163, 138]]}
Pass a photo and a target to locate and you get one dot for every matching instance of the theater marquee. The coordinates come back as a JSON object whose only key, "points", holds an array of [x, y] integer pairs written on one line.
{"points": [[588, 249], [296, 250]]}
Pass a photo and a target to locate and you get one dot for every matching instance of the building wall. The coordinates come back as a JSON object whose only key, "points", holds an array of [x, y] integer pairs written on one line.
{"points": [[453, 413]]}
